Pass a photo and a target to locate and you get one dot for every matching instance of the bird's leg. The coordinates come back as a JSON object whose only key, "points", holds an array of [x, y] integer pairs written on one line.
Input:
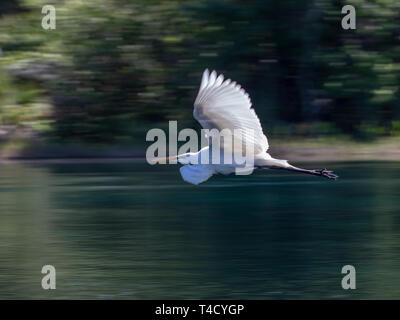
{"points": [[316, 172]]}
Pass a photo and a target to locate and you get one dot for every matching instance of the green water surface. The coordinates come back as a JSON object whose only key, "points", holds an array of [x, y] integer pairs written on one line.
{"points": [[123, 230]]}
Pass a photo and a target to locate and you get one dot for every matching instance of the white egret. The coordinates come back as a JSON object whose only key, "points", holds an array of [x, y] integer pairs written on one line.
{"points": [[225, 105]]}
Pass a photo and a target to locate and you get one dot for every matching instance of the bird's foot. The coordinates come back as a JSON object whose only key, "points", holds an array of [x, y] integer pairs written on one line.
{"points": [[326, 173]]}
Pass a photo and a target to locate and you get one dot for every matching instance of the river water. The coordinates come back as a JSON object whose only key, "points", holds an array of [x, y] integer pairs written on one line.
{"points": [[122, 230]]}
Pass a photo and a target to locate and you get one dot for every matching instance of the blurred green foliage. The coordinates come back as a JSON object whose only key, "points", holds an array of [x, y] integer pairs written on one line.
{"points": [[113, 67]]}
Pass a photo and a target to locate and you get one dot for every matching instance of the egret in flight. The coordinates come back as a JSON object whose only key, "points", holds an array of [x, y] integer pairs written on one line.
{"points": [[223, 104]]}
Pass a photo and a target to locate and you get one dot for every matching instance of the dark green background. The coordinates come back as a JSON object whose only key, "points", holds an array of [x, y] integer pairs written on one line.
{"points": [[113, 68]]}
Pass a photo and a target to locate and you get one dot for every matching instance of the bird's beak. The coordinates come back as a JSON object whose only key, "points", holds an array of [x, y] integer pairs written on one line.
{"points": [[164, 159]]}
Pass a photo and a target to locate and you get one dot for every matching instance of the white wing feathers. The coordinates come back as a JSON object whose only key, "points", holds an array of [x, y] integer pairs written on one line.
{"points": [[225, 105]]}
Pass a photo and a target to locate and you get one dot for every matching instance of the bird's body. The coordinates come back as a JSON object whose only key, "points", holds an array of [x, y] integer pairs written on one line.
{"points": [[224, 106], [195, 171]]}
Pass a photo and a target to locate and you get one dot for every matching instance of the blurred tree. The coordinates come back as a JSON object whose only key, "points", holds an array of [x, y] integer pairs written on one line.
{"points": [[10, 6], [112, 65]]}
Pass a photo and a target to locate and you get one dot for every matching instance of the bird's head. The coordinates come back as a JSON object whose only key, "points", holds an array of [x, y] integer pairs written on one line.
{"points": [[188, 158]]}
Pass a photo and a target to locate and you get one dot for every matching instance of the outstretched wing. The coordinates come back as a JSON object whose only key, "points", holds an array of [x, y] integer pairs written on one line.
{"points": [[225, 105]]}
